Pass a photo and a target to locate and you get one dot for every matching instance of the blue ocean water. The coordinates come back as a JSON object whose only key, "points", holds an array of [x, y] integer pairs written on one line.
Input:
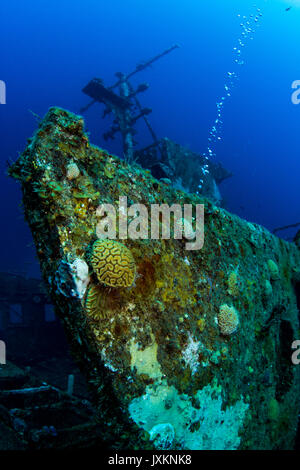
{"points": [[50, 50]]}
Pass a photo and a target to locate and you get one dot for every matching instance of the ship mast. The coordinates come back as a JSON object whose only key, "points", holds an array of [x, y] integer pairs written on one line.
{"points": [[124, 105]]}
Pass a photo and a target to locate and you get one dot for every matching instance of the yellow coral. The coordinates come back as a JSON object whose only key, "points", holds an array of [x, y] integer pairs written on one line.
{"points": [[201, 324], [145, 360], [93, 303], [80, 210], [113, 263], [233, 284], [228, 319]]}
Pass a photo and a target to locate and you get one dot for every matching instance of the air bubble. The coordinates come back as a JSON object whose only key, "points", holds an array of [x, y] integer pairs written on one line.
{"points": [[249, 26]]}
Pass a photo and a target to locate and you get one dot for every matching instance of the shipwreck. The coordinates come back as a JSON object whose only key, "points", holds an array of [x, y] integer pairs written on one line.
{"points": [[181, 349]]}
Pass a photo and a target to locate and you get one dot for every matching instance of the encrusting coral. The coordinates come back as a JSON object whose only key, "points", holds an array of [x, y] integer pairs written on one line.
{"points": [[273, 268], [72, 171], [163, 372], [93, 302], [233, 284], [228, 319]]}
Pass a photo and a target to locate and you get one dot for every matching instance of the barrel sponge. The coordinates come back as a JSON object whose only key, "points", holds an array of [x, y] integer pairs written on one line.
{"points": [[113, 263], [228, 319]]}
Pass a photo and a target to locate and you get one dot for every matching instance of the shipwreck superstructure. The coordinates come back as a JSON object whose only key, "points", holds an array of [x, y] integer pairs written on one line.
{"points": [[166, 159]]}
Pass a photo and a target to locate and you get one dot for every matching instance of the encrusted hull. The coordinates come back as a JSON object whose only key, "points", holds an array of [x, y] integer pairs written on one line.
{"points": [[163, 373]]}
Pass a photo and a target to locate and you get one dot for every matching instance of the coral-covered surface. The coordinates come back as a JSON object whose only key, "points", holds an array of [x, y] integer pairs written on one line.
{"points": [[162, 372]]}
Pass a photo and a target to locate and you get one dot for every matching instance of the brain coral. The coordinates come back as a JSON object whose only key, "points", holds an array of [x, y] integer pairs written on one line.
{"points": [[228, 319], [113, 263]]}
